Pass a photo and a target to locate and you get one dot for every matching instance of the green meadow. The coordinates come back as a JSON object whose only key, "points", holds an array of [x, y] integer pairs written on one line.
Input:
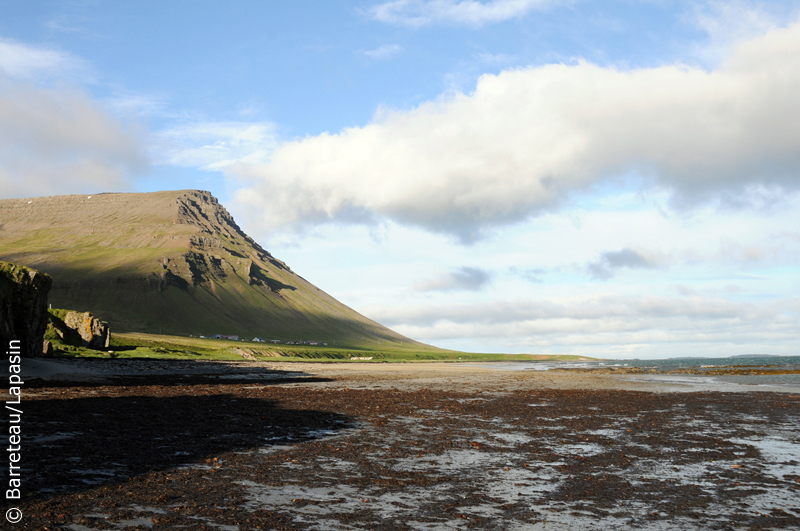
{"points": [[153, 346]]}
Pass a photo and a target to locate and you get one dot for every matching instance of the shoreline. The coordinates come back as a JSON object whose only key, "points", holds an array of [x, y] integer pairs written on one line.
{"points": [[439, 375]]}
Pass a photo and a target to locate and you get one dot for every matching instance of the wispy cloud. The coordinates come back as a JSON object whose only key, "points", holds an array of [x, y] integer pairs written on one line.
{"points": [[383, 52], [729, 21], [610, 261], [461, 279], [18, 60], [61, 25], [495, 59], [527, 140], [132, 104], [531, 274], [214, 146], [468, 12]]}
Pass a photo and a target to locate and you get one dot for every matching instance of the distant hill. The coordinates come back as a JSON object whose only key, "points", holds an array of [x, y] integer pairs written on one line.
{"points": [[757, 356], [174, 263]]}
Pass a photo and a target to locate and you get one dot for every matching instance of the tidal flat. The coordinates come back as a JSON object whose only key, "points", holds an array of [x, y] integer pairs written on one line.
{"points": [[238, 446]]}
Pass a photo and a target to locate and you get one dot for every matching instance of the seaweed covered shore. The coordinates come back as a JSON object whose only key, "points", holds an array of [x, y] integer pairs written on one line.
{"points": [[295, 451]]}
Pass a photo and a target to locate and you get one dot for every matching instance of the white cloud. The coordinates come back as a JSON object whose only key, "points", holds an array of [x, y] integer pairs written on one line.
{"points": [[609, 261], [61, 141], [62, 25], [463, 278], [602, 325], [531, 274], [542, 299], [58, 140], [729, 21], [19, 60], [495, 59], [470, 12], [526, 139], [384, 52], [213, 146], [132, 104]]}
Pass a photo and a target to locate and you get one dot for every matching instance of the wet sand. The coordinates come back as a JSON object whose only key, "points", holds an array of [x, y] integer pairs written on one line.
{"points": [[241, 446]]}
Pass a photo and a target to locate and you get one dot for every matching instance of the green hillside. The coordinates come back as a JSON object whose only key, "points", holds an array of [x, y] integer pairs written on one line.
{"points": [[175, 263]]}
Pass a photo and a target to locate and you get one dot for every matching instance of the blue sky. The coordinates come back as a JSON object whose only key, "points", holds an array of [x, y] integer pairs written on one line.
{"points": [[611, 179]]}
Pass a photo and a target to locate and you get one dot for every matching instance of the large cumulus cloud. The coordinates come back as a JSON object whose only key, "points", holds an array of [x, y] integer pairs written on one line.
{"points": [[526, 139]]}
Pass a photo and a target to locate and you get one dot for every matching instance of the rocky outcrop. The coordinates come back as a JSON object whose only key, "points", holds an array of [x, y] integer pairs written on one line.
{"points": [[245, 353], [81, 329], [23, 307]]}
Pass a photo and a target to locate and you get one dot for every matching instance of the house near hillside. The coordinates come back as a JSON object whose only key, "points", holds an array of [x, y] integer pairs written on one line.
{"points": [[258, 340], [221, 336]]}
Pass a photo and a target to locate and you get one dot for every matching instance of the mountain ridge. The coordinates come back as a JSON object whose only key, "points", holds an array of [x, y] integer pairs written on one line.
{"points": [[174, 262]]}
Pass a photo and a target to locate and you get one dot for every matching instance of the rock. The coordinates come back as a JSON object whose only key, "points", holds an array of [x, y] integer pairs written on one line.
{"points": [[47, 349], [94, 333], [23, 307], [245, 353]]}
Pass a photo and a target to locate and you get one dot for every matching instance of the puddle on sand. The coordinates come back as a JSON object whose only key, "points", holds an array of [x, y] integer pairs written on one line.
{"points": [[780, 455], [580, 449], [210, 523], [60, 436], [138, 523], [319, 500]]}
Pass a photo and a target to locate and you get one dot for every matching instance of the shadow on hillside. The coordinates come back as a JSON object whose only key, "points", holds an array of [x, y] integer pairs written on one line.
{"points": [[76, 444], [136, 302]]}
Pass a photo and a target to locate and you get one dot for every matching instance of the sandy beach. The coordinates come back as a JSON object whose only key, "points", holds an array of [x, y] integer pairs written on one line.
{"points": [[407, 376], [113, 444]]}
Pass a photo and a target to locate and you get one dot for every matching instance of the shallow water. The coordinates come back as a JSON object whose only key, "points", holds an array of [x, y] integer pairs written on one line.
{"points": [[776, 365]]}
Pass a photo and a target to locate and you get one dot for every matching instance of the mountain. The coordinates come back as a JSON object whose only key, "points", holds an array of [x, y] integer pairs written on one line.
{"points": [[176, 263]]}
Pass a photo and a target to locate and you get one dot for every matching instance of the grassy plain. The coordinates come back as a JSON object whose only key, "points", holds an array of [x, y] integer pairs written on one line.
{"points": [[153, 346]]}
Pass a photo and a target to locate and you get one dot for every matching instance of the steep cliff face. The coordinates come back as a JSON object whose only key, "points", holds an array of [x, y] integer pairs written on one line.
{"points": [[173, 262], [23, 307]]}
